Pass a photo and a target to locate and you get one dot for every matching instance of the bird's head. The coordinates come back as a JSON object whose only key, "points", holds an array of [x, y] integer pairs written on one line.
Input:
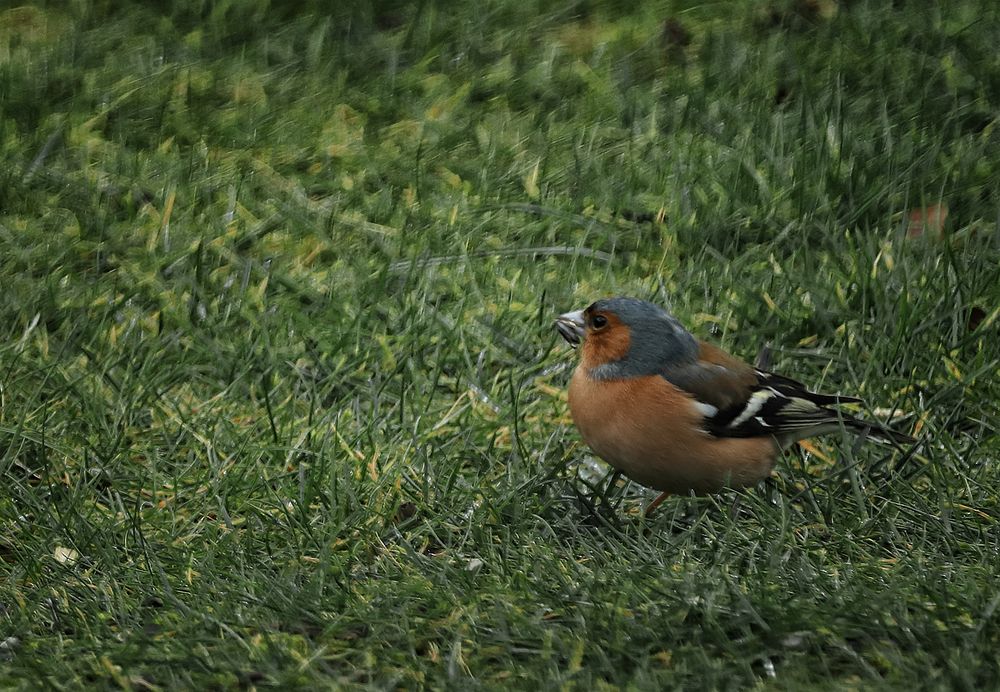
{"points": [[626, 337]]}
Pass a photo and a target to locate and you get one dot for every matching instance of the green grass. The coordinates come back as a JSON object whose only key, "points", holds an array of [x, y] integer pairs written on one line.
{"points": [[280, 401]]}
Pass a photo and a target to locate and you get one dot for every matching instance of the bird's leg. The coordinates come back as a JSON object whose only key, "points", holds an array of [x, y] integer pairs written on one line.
{"points": [[655, 503], [615, 475], [611, 486]]}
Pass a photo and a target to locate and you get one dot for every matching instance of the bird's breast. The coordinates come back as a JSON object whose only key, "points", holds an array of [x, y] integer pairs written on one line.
{"points": [[653, 432]]}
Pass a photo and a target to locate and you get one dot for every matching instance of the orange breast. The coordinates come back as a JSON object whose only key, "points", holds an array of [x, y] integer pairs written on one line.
{"points": [[652, 432]]}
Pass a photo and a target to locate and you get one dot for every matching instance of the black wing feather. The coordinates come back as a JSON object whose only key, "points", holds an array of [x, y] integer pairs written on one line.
{"points": [[789, 411]]}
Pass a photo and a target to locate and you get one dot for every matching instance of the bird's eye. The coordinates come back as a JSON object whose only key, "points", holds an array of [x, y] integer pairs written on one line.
{"points": [[598, 321]]}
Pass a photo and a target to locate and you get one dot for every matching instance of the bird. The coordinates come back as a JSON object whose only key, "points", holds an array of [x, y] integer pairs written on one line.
{"points": [[681, 415]]}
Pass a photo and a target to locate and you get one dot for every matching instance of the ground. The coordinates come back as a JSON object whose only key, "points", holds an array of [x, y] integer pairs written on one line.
{"points": [[280, 399]]}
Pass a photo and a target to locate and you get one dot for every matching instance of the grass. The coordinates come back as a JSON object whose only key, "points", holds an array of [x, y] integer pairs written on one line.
{"points": [[280, 401]]}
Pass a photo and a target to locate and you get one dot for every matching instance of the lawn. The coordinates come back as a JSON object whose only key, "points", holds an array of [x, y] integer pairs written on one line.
{"points": [[281, 404]]}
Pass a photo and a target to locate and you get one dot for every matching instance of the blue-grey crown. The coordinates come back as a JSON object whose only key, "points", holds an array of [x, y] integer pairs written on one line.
{"points": [[657, 339]]}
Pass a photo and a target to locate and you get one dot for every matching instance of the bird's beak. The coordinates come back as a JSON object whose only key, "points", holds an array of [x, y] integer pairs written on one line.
{"points": [[571, 327]]}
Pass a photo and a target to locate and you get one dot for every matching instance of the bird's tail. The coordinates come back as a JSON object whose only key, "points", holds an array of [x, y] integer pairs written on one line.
{"points": [[834, 421], [878, 431]]}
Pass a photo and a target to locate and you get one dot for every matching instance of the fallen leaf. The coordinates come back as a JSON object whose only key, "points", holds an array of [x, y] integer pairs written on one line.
{"points": [[927, 221], [812, 449], [531, 182], [65, 556], [407, 510]]}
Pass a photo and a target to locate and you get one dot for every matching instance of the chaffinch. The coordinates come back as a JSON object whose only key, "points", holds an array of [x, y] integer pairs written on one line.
{"points": [[680, 415]]}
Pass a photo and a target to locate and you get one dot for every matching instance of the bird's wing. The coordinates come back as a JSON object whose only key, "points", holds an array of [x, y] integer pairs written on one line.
{"points": [[740, 401], [782, 408]]}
